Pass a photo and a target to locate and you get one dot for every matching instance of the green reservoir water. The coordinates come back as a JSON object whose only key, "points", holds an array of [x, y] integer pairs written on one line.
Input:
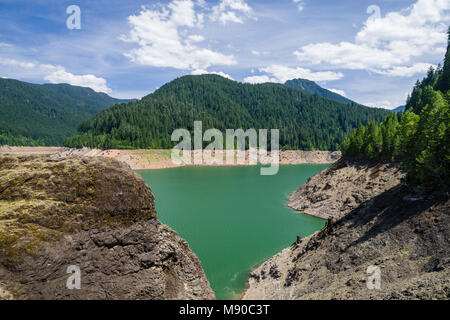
{"points": [[232, 217]]}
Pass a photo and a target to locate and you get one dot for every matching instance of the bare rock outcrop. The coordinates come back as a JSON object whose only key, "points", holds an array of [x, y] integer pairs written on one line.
{"points": [[343, 187], [96, 214]]}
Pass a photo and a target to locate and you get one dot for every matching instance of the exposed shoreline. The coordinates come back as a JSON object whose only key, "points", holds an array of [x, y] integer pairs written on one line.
{"points": [[147, 159], [326, 196], [374, 219], [343, 187]]}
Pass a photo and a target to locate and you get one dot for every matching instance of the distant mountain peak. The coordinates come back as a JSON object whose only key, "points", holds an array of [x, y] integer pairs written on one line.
{"points": [[312, 87]]}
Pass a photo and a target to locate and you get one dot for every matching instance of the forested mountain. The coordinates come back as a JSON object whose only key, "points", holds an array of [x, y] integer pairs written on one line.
{"points": [[312, 87], [419, 138], [305, 121], [32, 114]]}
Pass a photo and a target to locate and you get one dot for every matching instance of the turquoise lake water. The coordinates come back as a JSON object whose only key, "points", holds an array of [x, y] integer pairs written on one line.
{"points": [[232, 217]]}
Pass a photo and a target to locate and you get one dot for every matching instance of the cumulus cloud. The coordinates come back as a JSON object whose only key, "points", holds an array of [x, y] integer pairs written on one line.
{"points": [[220, 73], [400, 71], [231, 11], [17, 63], [280, 74], [389, 103], [385, 104], [87, 80], [259, 79], [338, 91], [390, 44], [57, 74], [164, 39]]}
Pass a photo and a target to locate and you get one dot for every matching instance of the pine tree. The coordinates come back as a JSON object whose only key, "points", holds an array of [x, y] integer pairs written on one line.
{"points": [[444, 82]]}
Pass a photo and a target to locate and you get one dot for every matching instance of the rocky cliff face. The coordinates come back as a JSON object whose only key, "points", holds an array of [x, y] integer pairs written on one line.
{"points": [[403, 233], [97, 215]]}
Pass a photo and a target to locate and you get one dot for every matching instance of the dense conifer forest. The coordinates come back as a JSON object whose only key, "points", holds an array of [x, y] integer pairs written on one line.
{"points": [[32, 114], [306, 121], [419, 138]]}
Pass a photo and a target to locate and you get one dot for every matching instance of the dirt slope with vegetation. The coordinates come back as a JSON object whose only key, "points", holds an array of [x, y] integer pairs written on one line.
{"points": [[403, 232], [94, 213]]}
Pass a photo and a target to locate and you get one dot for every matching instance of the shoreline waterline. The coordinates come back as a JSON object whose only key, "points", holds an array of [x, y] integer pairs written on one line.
{"points": [[149, 159]]}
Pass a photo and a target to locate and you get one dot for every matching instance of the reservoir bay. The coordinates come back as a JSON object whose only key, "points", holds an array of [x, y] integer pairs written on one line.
{"points": [[232, 217]]}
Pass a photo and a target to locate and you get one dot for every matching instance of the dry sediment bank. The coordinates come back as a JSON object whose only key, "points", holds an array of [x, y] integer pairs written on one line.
{"points": [[160, 159]]}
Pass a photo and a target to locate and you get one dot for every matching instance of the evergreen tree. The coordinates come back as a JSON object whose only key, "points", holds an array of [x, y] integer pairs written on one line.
{"points": [[444, 81], [421, 140]]}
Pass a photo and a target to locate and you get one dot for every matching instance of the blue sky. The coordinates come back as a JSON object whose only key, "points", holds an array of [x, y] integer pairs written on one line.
{"points": [[371, 51]]}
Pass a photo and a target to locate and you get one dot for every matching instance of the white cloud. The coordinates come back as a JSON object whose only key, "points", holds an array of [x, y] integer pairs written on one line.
{"points": [[259, 79], [220, 73], [87, 80], [57, 74], [387, 44], [17, 63], [338, 91], [385, 104], [348, 55], [401, 71], [390, 103], [5, 45], [161, 44], [231, 11], [229, 16], [259, 53], [300, 4], [195, 38], [280, 74]]}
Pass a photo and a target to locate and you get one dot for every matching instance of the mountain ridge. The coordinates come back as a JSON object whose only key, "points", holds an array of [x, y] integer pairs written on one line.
{"points": [[44, 114], [306, 121], [314, 88]]}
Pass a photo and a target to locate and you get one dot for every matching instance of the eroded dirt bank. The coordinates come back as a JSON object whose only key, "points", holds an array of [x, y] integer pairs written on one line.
{"points": [[403, 232], [98, 215], [343, 187], [161, 159]]}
